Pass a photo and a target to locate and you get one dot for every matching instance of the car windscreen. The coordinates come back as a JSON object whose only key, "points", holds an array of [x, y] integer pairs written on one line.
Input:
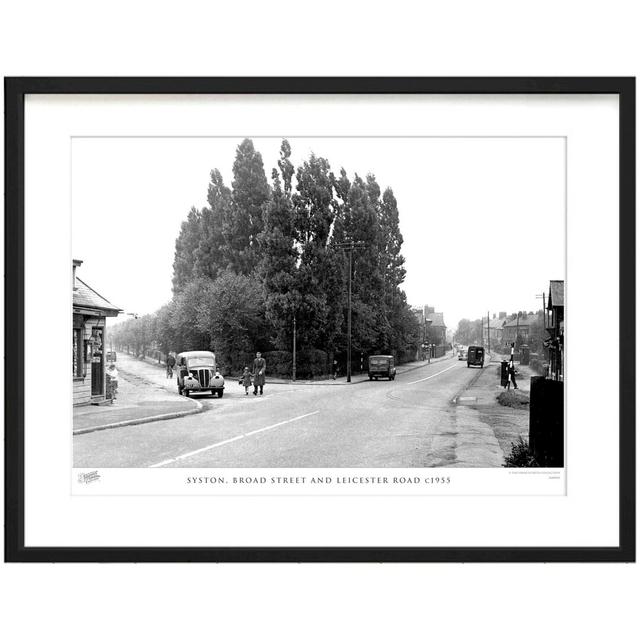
{"points": [[200, 361]]}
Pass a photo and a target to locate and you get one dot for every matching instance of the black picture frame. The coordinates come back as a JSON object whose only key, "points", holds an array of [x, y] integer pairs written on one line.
{"points": [[15, 91]]}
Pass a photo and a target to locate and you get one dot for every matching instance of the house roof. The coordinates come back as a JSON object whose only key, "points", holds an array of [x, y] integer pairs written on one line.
{"points": [[523, 321], [496, 323], [556, 293], [437, 319], [85, 297]]}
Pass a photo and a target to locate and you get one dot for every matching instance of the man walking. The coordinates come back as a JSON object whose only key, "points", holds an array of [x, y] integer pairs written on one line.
{"points": [[259, 370], [511, 370]]}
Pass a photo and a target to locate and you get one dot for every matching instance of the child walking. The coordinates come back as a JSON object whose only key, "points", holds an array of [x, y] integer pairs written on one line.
{"points": [[245, 379]]}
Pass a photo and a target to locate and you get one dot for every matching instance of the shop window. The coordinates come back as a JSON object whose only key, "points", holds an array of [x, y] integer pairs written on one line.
{"points": [[78, 354]]}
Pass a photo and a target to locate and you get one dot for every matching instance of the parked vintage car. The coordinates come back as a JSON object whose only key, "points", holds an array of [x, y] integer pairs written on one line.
{"points": [[462, 353], [381, 367], [475, 356], [197, 373]]}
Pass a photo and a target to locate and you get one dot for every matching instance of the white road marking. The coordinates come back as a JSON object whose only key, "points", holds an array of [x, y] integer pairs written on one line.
{"points": [[220, 444], [433, 376]]}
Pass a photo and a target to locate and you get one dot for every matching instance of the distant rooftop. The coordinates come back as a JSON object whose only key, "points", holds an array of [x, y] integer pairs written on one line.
{"points": [[523, 321], [437, 319]]}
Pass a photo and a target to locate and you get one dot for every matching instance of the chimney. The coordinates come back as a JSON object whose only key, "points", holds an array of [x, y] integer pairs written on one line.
{"points": [[502, 314], [76, 264]]}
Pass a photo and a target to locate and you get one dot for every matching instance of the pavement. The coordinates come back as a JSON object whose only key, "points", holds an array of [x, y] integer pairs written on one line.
{"points": [[417, 420], [488, 428], [142, 397]]}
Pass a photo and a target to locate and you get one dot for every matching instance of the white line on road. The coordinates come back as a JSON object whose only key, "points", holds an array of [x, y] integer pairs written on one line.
{"points": [[433, 376], [220, 444]]}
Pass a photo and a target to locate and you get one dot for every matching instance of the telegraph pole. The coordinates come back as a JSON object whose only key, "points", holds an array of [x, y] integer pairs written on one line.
{"points": [[293, 369], [349, 245], [488, 334], [349, 318]]}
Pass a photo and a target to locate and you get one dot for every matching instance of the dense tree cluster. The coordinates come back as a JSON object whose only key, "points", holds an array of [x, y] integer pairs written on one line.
{"points": [[260, 254]]}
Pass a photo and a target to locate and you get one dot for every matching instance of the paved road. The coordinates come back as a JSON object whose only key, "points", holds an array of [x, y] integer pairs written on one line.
{"points": [[409, 422]]}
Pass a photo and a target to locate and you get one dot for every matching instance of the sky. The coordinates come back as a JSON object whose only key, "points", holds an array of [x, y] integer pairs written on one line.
{"points": [[483, 219]]}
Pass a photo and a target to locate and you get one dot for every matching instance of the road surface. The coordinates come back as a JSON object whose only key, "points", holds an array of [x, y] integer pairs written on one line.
{"points": [[412, 421]]}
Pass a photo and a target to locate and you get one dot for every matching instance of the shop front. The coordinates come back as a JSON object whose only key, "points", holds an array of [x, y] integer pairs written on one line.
{"points": [[90, 313]]}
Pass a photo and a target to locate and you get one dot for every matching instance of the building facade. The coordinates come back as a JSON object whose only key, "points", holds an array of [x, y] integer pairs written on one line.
{"points": [[518, 326], [90, 313], [554, 324], [496, 324]]}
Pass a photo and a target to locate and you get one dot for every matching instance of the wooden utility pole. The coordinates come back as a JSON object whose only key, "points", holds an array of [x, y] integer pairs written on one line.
{"points": [[349, 318], [349, 245], [293, 368], [488, 334]]}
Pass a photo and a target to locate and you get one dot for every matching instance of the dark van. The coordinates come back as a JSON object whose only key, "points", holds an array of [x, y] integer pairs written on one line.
{"points": [[475, 356], [381, 367]]}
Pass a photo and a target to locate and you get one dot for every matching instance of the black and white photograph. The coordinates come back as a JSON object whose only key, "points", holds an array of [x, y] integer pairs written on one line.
{"points": [[324, 302]]}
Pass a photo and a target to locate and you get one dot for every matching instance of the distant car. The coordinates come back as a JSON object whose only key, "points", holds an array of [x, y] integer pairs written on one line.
{"points": [[197, 373], [475, 356], [462, 353], [381, 367]]}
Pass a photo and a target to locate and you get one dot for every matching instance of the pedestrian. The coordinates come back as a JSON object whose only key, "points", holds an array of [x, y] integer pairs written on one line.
{"points": [[335, 369], [259, 370], [112, 381], [511, 376], [171, 362], [245, 379]]}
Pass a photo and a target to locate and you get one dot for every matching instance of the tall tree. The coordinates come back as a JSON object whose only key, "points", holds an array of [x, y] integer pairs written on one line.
{"points": [[359, 222], [285, 165], [211, 254], [393, 271], [318, 275], [186, 248], [250, 194], [279, 262]]}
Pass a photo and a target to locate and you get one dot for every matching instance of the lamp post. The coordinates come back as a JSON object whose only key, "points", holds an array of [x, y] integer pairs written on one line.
{"points": [[427, 341]]}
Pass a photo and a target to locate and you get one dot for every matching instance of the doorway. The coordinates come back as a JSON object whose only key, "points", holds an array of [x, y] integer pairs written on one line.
{"points": [[97, 361]]}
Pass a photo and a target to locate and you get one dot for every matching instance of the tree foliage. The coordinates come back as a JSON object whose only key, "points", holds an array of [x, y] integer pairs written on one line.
{"points": [[260, 255], [250, 194], [468, 332]]}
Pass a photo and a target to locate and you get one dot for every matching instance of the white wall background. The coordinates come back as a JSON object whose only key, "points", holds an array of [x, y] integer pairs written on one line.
{"points": [[322, 38]]}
